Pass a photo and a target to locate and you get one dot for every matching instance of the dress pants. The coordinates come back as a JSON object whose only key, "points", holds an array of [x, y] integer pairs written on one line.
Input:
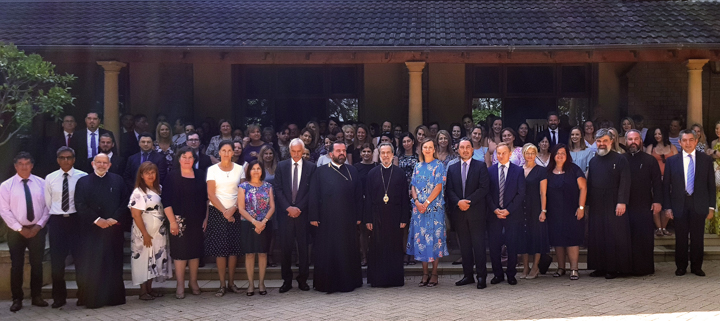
{"points": [[471, 234], [36, 248], [63, 234], [503, 232], [294, 230], [692, 223]]}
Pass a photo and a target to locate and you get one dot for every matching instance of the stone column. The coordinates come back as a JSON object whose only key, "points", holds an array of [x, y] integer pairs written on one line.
{"points": [[111, 113], [694, 106], [415, 114]]}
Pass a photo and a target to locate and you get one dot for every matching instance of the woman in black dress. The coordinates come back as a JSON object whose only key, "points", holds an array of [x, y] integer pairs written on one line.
{"points": [[536, 232], [363, 166], [566, 194], [185, 200]]}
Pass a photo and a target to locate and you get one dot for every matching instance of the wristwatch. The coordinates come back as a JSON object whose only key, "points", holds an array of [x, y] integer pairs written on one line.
{"points": [[582, 208], [544, 211]]}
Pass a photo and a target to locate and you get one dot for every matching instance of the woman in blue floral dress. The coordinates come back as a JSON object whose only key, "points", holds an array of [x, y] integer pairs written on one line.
{"points": [[426, 239], [256, 205]]}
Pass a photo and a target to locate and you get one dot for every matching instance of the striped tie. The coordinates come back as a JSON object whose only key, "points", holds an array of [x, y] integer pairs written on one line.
{"points": [[502, 185], [690, 185], [65, 194]]}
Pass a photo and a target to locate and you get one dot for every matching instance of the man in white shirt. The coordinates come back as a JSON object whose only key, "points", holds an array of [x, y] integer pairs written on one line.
{"points": [[63, 224]]}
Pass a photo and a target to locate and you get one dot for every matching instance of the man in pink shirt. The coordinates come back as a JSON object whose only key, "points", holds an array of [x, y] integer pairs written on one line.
{"points": [[22, 207]]}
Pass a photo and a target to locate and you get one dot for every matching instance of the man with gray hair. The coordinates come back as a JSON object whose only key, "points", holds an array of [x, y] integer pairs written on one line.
{"points": [[63, 225], [609, 251], [292, 184], [643, 204]]}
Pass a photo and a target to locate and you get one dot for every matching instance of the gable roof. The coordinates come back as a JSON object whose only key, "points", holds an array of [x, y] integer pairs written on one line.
{"points": [[362, 23]]}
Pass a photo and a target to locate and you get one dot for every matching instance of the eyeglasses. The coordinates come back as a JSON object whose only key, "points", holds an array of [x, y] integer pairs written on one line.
{"points": [[193, 140]]}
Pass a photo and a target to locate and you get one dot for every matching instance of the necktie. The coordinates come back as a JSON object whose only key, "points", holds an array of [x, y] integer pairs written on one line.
{"points": [[67, 141], [143, 157], [28, 202], [65, 194], [553, 137], [464, 176], [502, 185], [295, 182], [93, 144], [690, 186]]}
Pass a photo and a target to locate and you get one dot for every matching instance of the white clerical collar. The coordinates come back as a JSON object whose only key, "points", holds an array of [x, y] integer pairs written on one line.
{"points": [[335, 164], [386, 167]]}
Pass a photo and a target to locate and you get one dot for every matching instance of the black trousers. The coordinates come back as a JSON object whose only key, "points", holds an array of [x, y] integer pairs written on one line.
{"points": [[64, 235], [503, 232], [294, 231], [471, 234], [36, 248], [691, 223]]}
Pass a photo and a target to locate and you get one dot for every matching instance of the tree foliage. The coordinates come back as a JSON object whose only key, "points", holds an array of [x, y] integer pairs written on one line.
{"points": [[29, 87]]}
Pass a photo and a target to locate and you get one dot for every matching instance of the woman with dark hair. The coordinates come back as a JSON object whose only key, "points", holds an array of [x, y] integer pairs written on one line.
{"points": [[407, 158], [362, 137], [238, 151], [225, 134], [374, 129], [306, 135], [566, 195], [516, 157], [589, 134], [495, 125], [579, 152], [150, 259], [268, 136], [315, 127], [363, 166], [388, 139], [524, 135], [223, 226], [658, 145], [456, 132], [543, 156], [468, 124], [252, 148], [256, 204], [185, 200], [333, 124], [282, 143]]}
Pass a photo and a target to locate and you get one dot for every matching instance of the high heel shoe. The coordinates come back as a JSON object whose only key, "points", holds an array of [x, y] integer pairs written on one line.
{"points": [[424, 283], [262, 291], [432, 284], [560, 272], [574, 275]]}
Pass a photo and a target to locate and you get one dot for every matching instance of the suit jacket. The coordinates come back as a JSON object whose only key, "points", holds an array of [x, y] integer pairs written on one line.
{"points": [[477, 185], [133, 164], [674, 192], [80, 140], [514, 192], [118, 164], [129, 144], [563, 136], [283, 188]]}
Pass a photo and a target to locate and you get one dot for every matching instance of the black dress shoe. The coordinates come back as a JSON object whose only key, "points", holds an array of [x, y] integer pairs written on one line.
{"points": [[680, 272], [496, 280], [285, 287], [597, 274], [58, 303], [39, 302], [465, 281], [611, 275], [698, 272], [512, 280], [16, 306], [303, 286], [481, 284]]}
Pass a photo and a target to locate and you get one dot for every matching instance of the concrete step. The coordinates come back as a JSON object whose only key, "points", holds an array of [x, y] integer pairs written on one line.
{"points": [[669, 241]]}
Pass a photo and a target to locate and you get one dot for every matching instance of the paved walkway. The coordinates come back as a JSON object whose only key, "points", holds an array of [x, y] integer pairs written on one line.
{"points": [[662, 296]]}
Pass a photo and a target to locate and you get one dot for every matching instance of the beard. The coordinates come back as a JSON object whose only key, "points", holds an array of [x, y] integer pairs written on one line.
{"points": [[633, 148], [339, 159], [603, 151]]}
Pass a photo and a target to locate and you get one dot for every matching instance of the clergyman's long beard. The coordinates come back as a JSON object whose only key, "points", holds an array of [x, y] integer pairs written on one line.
{"points": [[603, 151]]}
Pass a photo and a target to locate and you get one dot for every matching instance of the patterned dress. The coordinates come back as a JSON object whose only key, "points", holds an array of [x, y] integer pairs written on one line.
{"points": [[713, 226], [426, 237], [407, 163], [169, 154], [257, 204], [153, 262]]}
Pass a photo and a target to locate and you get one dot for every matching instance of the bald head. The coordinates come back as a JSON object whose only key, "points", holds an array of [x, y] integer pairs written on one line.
{"points": [[101, 164]]}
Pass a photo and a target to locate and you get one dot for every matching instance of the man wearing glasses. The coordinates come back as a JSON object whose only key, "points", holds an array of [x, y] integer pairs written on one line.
{"points": [[63, 223], [203, 161]]}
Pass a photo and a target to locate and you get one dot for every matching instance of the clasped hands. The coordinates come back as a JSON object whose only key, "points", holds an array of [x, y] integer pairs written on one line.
{"points": [[105, 223], [293, 211], [501, 214], [463, 205], [421, 207], [370, 226], [30, 231], [229, 213], [259, 226]]}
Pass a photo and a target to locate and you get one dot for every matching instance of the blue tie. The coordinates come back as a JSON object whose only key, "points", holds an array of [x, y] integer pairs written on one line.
{"points": [[93, 145], [143, 157], [690, 176]]}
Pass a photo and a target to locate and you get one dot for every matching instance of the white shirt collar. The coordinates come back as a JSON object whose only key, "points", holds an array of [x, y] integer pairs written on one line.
{"points": [[70, 173], [66, 133], [90, 132], [467, 161], [507, 165], [685, 154], [300, 162]]}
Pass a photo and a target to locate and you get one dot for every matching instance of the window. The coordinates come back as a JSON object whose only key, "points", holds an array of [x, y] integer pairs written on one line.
{"points": [[272, 95]]}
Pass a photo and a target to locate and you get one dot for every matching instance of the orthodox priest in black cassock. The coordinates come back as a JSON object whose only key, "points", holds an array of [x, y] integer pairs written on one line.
{"points": [[387, 212], [101, 266], [609, 251], [336, 209], [645, 200]]}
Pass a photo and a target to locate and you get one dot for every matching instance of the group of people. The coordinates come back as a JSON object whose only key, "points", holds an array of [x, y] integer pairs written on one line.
{"points": [[359, 195]]}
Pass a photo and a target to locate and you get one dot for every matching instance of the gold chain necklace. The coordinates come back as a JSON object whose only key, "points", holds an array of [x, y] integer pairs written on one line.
{"points": [[341, 174], [386, 198]]}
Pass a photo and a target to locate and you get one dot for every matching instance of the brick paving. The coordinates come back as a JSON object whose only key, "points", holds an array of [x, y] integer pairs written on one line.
{"points": [[662, 296]]}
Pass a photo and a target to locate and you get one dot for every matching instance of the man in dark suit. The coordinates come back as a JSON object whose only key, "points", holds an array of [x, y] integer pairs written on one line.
{"points": [[107, 145], [505, 200], [67, 136], [292, 187], [131, 139], [88, 141], [689, 198], [203, 161], [553, 132], [467, 187], [147, 154]]}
